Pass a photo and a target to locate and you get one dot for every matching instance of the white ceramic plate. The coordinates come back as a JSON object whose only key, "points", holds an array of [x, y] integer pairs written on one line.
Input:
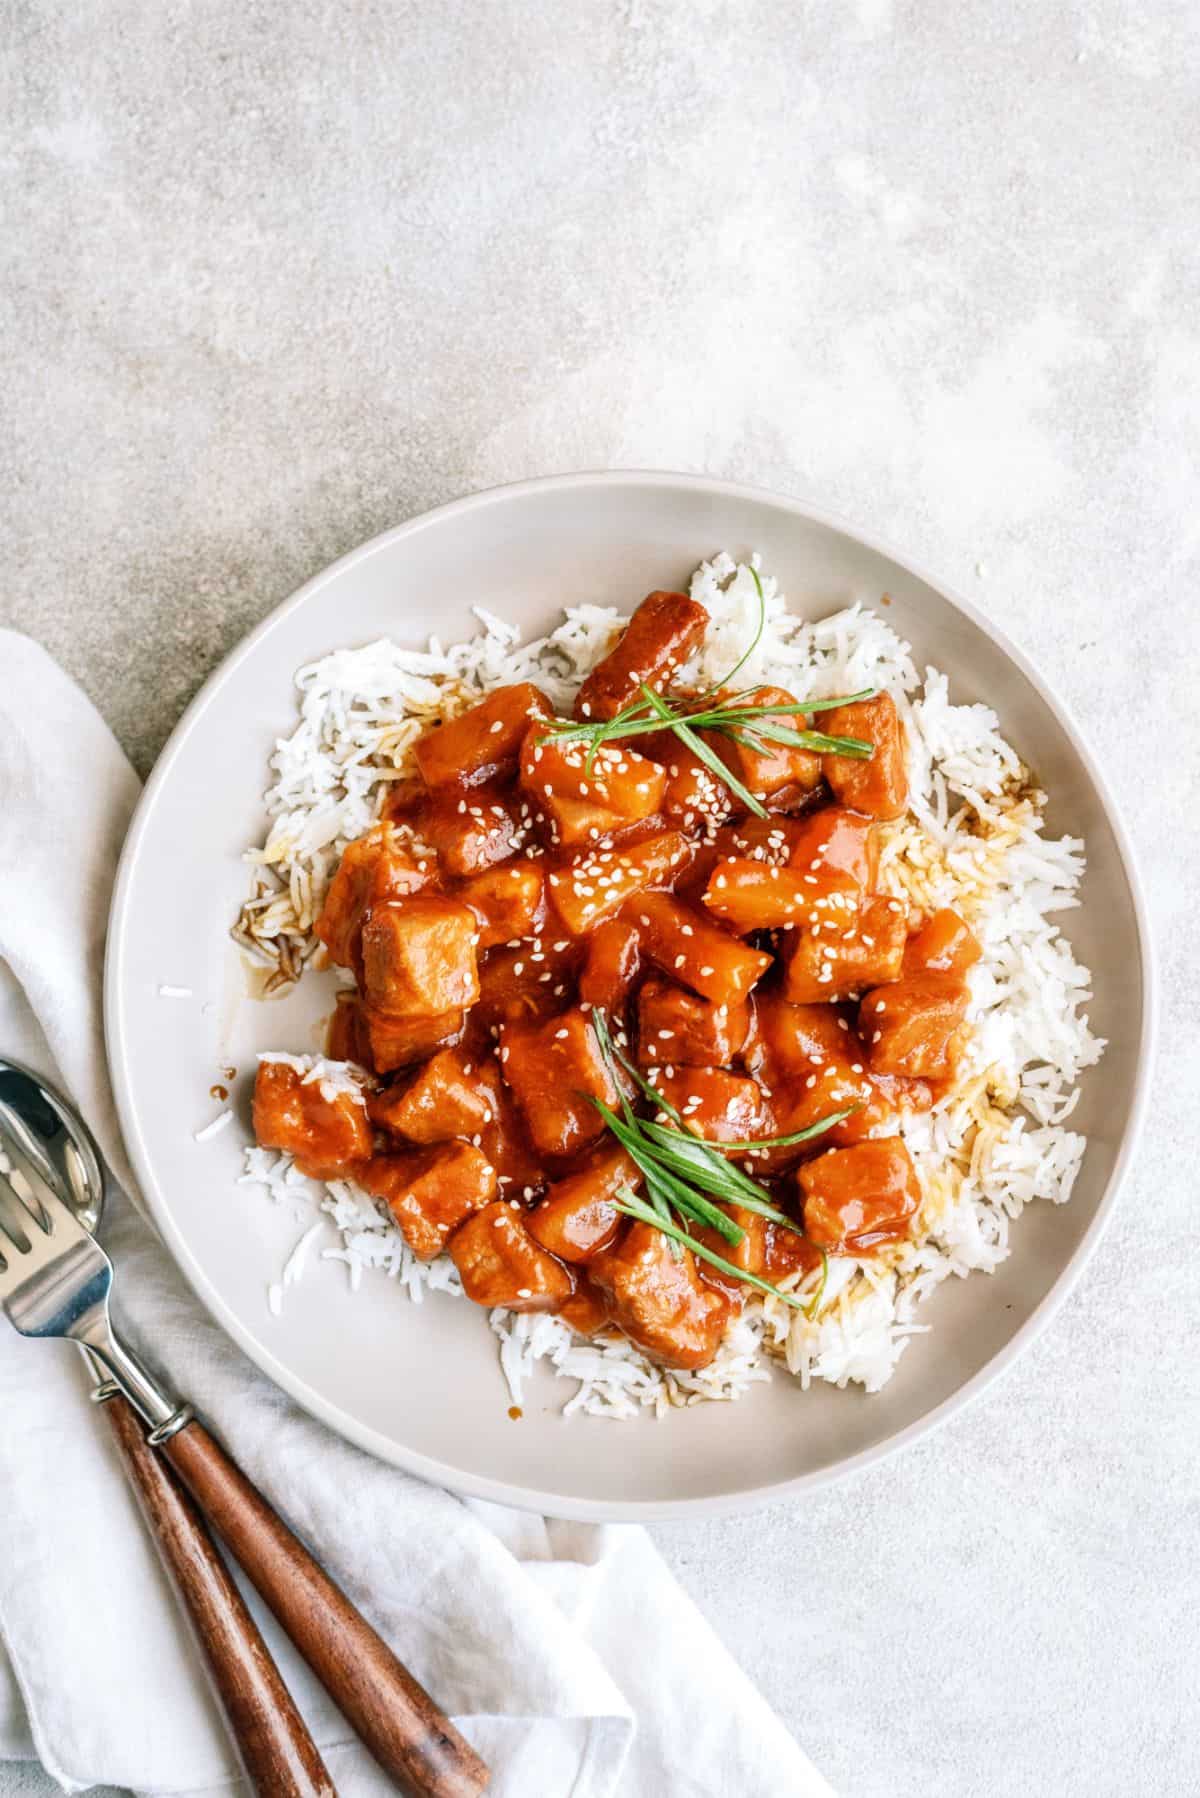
{"points": [[420, 1385]]}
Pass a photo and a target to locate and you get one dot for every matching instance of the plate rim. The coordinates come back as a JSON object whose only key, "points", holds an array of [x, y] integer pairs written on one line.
{"points": [[497, 1490]]}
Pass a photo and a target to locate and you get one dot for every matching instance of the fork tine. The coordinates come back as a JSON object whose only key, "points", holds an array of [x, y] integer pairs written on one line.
{"points": [[14, 1220], [39, 1185], [14, 1128]]}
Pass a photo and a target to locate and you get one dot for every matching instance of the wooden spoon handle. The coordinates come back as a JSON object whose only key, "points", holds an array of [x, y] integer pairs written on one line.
{"points": [[280, 1757], [394, 1715]]}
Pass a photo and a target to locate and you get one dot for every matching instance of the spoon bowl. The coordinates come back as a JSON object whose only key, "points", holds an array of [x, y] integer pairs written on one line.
{"points": [[55, 1138]]}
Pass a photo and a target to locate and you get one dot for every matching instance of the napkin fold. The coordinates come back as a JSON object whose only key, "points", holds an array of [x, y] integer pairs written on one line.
{"points": [[565, 1652]]}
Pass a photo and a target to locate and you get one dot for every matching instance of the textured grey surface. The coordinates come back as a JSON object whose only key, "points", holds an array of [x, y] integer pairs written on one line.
{"points": [[277, 277]]}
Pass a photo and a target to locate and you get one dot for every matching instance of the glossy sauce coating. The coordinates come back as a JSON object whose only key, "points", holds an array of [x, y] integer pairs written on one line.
{"points": [[748, 965]]}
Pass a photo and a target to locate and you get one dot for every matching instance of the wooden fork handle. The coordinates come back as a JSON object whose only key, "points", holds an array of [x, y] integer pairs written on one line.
{"points": [[280, 1757], [392, 1713]]}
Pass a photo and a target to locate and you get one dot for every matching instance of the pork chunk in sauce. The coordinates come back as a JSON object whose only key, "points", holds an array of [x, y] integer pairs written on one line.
{"points": [[517, 885]]}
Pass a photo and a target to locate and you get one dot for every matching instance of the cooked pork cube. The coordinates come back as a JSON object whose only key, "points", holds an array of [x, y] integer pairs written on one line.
{"points": [[787, 1253], [507, 901], [695, 951], [587, 1310], [578, 1216], [530, 980], [320, 1122], [915, 1026], [678, 1028], [483, 742], [419, 957], [771, 840], [347, 1037], [832, 837], [501, 1264], [752, 895], [610, 966], [373, 870], [718, 1106], [583, 802], [593, 887], [811, 1060], [789, 1039], [505, 1140], [695, 798], [944, 944], [856, 1198], [447, 1098], [846, 953], [800, 1102], [555, 1069], [474, 831], [431, 1192], [749, 1254], [775, 766], [878, 786], [398, 1042], [766, 840], [664, 631], [661, 1303]]}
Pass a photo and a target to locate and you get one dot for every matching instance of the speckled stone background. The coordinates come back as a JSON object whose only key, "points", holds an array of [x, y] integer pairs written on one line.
{"points": [[278, 276]]}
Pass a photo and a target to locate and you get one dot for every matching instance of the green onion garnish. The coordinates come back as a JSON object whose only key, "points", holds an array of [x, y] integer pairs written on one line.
{"points": [[632, 1206], [749, 724], [683, 1174]]}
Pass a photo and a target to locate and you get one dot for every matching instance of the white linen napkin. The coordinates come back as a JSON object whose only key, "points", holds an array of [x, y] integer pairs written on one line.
{"points": [[565, 1651]]}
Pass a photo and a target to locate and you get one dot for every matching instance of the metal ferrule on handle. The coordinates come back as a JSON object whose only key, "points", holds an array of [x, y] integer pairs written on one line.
{"points": [[161, 1410]]}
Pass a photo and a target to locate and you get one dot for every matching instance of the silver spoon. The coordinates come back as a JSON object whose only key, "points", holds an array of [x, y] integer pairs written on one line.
{"points": [[268, 1731], [55, 1281]]}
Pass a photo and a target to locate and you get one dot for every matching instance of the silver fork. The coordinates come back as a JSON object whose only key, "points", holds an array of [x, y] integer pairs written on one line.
{"points": [[55, 1279]]}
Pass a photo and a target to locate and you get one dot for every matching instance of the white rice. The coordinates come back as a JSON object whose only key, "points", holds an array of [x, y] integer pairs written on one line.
{"points": [[335, 1078], [972, 838], [221, 1122]]}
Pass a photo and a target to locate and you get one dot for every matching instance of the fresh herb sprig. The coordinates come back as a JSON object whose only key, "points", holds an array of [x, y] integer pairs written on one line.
{"points": [[733, 715], [683, 1174]]}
